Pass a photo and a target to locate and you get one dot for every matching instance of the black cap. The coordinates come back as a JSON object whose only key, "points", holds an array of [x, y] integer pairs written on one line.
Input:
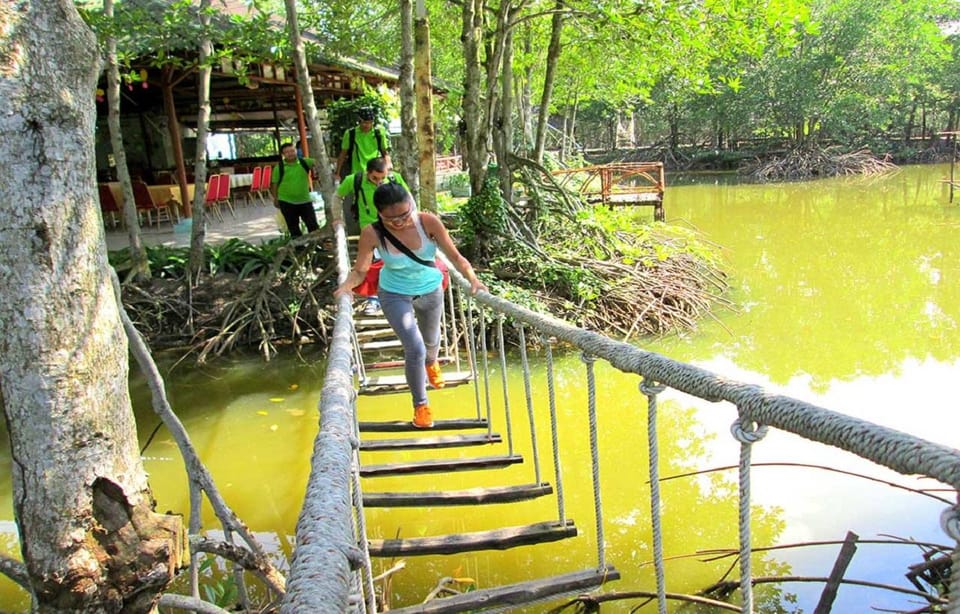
{"points": [[366, 113]]}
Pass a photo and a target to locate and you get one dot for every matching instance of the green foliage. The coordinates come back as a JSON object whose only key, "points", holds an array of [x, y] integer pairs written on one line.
{"points": [[234, 256], [220, 591], [484, 220]]}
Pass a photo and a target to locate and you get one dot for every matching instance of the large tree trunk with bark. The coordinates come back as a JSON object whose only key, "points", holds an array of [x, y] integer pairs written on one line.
{"points": [[407, 148], [89, 537], [549, 77], [426, 137], [471, 36], [198, 229]]}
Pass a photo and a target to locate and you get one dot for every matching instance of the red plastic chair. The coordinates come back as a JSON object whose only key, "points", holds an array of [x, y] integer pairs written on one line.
{"points": [[211, 200], [251, 192], [144, 202], [263, 191], [108, 205], [223, 193]]}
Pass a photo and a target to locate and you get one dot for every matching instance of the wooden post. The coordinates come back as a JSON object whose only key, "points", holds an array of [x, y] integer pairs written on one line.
{"points": [[174, 126], [847, 551]]}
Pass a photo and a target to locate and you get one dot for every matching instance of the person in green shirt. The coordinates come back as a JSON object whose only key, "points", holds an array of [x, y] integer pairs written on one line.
{"points": [[360, 144], [377, 171], [361, 187], [290, 187]]}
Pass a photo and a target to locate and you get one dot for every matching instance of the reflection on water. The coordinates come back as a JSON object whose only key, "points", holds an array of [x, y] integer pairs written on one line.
{"points": [[849, 300]]}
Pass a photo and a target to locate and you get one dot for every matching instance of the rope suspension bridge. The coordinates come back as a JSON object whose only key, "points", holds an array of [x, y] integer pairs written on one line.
{"points": [[332, 569]]}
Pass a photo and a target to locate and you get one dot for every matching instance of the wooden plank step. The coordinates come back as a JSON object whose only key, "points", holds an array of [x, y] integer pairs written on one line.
{"points": [[512, 596], [370, 334], [430, 443], [440, 465], [395, 364], [497, 539], [361, 321], [380, 345], [468, 496], [390, 383], [405, 426]]}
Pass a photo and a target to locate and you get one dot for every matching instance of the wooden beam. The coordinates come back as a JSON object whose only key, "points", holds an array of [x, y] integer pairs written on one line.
{"points": [[468, 496], [496, 539], [440, 465], [430, 443], [516, 595]]}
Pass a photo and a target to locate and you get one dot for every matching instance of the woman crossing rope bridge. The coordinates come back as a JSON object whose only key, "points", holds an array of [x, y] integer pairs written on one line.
{"points": [[410, 286]]}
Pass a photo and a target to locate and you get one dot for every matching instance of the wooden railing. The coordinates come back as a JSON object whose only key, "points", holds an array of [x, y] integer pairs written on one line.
{"points": [[621, 183]]}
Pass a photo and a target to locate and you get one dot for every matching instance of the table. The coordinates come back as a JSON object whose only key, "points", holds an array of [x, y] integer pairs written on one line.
{"points": [[241, 180], [160, 193]]}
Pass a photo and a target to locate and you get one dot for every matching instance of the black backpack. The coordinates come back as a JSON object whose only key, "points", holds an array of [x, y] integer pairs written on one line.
{"points": [[377, 132], [282, 164]]}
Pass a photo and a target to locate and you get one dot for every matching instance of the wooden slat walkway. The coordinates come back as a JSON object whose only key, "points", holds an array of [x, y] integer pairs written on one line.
{"points": [[430, 443], [440, 465], [496, 539], [402, 426], [396, 383], [516, 595], [468, 496]]}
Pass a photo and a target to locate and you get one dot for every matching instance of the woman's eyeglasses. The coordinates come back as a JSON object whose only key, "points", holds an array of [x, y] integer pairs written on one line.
{"points": [[396, 219]]}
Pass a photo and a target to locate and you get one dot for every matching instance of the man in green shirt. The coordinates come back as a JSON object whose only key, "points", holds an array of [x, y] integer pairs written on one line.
{"points": [[361, 187], [290, 187], [360, 144], [363, 211]]}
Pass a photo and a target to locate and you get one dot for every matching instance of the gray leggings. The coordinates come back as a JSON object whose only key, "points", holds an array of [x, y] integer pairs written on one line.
{"points": [[416, 320]]}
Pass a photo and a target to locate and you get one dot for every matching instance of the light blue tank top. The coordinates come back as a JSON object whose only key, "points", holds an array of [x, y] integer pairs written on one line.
{"points": [[402, 274]]}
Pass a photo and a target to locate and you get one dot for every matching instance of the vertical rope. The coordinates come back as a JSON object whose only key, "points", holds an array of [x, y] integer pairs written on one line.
{"points": [[950, 523], [651, 389], [554, 437], [370, 601], [746, 432], [529, 397], [503, 381], [454, 328], [486, 368], [595, 458], [472, 349]]}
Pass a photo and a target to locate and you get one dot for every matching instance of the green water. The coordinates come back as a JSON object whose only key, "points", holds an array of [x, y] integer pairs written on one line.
{"points": [[848, 298]]}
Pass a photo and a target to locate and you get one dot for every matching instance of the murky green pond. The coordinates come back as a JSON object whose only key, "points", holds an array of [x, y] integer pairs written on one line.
{"points": [[849, 295]]}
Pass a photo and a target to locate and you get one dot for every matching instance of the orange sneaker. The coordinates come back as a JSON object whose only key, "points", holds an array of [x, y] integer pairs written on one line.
{"points": [[434, 375], [422, 418]]}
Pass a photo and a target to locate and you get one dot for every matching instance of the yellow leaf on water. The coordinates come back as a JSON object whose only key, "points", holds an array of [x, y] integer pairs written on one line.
{"points": [[274, 427], [465, 580], [263, 412], [295, 412], [294, 386], [276, 399]]}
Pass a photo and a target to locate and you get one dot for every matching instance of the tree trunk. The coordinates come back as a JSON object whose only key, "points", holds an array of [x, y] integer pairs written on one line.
{"points": [[325, 174], [138, 253], [198, 228], [408, 148], [503, 129], [89, 537], [427, 138], [553, 56], [476, 136]]}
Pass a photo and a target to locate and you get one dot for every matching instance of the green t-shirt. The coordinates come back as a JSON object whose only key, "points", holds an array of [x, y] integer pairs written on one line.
{"points": [[364, 200], [367, 147], [295, 187]]}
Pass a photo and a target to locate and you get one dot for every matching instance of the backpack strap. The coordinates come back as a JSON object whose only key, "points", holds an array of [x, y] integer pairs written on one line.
{"points": [[358, 195]]}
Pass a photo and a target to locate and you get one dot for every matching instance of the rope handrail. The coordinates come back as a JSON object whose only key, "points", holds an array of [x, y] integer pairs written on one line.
{"points": [[326, 554], [885, 446]]}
